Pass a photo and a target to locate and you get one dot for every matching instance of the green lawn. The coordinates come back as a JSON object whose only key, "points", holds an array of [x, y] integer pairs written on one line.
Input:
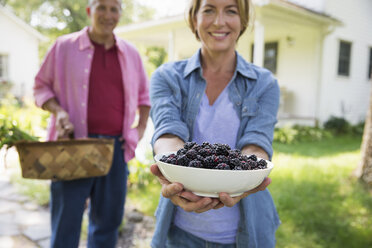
{"points": [[320, 204]]}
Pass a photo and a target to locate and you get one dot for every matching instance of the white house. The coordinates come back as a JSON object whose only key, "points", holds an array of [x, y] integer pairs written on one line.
{"points": [[319, 50], [19, 56]]}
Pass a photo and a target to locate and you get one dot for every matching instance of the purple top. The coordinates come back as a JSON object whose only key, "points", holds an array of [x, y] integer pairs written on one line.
{"points": [[217, 123]]}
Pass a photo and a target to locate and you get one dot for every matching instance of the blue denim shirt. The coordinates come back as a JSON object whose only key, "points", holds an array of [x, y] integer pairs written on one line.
{"points": [[176, 91]]}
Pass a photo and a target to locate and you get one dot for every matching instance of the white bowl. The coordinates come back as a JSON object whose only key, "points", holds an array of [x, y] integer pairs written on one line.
{"points": [[210, 182]]}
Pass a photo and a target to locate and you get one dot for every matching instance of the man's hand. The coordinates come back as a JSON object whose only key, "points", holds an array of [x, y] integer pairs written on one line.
{"points": [[63, 125], [184, 199]]}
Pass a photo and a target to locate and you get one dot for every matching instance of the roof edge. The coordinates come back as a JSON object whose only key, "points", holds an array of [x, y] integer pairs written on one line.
{"points": [[27, 27]]}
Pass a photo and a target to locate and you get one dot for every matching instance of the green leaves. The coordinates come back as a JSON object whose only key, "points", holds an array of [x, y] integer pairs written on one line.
{"points": [[10, 134]]}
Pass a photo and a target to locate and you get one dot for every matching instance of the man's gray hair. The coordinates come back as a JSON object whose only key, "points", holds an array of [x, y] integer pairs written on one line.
{"points": [[90, 2]]}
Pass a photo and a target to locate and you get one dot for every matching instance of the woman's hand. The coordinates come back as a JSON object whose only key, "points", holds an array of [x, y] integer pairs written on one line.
{"points": [[184, 199], [231, 201]]}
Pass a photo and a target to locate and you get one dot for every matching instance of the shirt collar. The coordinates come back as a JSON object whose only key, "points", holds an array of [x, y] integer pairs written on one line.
{"points": [[242, 66], [245, 68], [84, 39], [193, 63]]}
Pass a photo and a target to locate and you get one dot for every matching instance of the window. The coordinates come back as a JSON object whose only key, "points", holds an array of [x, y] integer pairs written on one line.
{"points": [[370, 64], [3, 66], [270, 56], [344, 58]]}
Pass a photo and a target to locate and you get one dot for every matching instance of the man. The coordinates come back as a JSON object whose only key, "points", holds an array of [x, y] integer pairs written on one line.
{"points": [[93, 83]]}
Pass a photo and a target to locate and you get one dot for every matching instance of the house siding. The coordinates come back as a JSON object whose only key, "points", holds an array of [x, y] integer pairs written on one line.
{"points": [[22, 50], [342, 96]]}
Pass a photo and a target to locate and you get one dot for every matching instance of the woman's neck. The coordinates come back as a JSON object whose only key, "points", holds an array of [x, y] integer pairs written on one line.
{"points": [[218, 62]]}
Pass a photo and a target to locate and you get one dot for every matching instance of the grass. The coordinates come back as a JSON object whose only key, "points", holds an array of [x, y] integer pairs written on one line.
{"points": [[319, 202]]}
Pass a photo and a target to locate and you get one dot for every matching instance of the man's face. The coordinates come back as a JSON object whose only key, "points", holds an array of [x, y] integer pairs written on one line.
{"points": [[104, 16]]}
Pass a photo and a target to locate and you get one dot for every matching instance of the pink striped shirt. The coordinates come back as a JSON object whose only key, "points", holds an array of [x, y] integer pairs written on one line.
{"points": [[64, 75]]}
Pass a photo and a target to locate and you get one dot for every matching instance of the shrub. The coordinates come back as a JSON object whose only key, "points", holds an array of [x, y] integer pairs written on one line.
{"points": [[337, 125], [297, 133], [140, 175], [357, 129]]}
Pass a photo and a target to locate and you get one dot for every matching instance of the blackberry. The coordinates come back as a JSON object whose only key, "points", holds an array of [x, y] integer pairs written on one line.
{"points": [[191, 154], [222, 166], [251, 164], [189, 145], [181, 151], [200, 158], [222, 149], [171, 160], [163, 159], [205, 152], [206, 145], [234, 154], [196, 164], [244, 165], [183, 160], [244, 158], [235, 162], [253, 157], [262, 164], [222, 159], [209, 162]]}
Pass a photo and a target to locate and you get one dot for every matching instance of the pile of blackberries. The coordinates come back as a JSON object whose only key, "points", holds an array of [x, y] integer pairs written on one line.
{"points": [[213, 156]]}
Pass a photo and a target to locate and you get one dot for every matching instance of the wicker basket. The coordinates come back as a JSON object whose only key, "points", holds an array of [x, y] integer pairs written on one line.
{"points": [[66, 159]]}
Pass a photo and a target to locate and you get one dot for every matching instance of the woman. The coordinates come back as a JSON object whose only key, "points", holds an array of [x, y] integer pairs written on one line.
{"points": [[217, 97]]}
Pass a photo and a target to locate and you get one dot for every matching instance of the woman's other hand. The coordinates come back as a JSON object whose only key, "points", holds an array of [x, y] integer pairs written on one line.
{"points": [[184, 199], [231, 201]]}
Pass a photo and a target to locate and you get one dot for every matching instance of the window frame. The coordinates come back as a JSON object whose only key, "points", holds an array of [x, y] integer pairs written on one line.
{"points": [[369, 70], [344, 58], [267, 45], [4, 66]]}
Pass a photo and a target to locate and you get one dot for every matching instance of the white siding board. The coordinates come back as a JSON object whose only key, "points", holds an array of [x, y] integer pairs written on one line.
{"points": [[347, 97], [22, 49]]}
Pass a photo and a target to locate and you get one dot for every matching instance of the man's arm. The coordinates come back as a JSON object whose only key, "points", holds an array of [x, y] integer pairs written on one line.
{"points": [[142, 122]]}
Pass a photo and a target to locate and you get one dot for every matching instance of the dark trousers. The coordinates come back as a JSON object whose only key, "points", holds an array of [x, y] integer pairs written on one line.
{"points": [[106, 209]]}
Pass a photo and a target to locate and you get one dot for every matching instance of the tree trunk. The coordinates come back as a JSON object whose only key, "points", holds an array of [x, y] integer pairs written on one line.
{"points": [[364, 170]]}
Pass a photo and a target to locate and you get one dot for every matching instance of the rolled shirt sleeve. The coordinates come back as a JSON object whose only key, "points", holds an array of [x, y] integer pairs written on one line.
{"points": [[263, 110], [166, 103], [43, 87]]}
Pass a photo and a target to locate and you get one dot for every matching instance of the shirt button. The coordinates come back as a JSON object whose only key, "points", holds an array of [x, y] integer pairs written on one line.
{"points": [[238, 103], [197, 96], [89, 56], [83, 104], [245, 109], [86, 70], [85, 87], [82, 122]]}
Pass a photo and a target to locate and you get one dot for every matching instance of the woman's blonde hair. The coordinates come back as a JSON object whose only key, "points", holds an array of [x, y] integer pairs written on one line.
{"points": [[244, 7]]}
